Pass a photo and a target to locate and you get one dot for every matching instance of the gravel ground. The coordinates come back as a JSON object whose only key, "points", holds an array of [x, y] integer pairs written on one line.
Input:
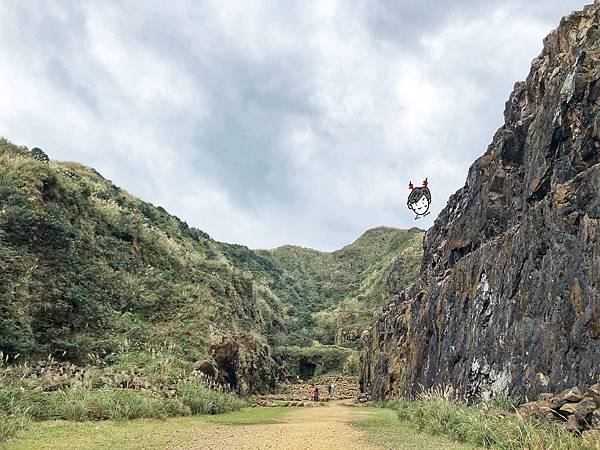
{"points": [[305, 428]]}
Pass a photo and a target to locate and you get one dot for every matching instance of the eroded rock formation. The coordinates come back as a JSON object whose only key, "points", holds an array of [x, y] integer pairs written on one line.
{"points": [[508, 300], [245, 364]]}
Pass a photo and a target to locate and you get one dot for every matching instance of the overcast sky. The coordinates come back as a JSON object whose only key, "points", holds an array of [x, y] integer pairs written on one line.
{"points": [[269, 122]]}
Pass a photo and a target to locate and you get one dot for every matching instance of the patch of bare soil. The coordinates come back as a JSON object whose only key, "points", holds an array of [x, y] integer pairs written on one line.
{"points": [[306, 428]]}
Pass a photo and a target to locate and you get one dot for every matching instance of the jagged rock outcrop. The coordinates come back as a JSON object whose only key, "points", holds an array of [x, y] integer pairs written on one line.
{"points": [[245, 364], [508, 300]]}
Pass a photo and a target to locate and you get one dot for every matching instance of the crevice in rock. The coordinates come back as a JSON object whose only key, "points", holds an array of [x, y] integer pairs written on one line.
{"points": [[542, 189], [517, 282], [306, 368], [458, 253]]}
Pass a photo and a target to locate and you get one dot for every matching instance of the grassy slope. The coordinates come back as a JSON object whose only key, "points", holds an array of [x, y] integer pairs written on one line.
{"points": [[87, 268], [331, 296]]}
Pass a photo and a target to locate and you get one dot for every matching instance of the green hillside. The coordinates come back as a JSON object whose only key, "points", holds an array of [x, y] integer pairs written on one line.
{"points": [[85, 268], [90, 273], [338, 292], [330, 297]]}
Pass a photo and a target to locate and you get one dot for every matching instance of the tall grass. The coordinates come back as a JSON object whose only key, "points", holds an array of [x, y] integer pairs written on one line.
{"points": [[205, 401], [10, 424], [481, 426], [18, 407], [86, 404], [153, 383], [116, 404]]}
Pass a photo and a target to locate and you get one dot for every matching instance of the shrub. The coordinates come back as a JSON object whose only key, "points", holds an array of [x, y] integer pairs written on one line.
{"points": [[201, 400], [38, 153]]}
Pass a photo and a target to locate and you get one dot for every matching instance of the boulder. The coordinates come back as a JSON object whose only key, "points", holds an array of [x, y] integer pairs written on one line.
{"points": [[574, 394], [574, 425], [205, 367], [244, 363], [584, 408], [568, 408], [578, 415], [539, 409]]}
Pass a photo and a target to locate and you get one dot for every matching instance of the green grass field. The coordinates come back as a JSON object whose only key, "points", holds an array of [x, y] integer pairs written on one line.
{"points": [[129, 434], [384, 429]]}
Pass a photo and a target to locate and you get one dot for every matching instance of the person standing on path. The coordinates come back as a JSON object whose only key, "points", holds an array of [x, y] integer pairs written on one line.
{"points": [[316, 395], [330, 388]]}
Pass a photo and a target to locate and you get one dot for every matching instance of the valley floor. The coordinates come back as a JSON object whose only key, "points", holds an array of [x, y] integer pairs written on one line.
{"points": [[332, 427]]}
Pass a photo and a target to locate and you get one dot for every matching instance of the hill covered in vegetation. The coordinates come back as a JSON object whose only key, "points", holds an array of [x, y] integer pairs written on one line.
{"points": [[89, 272], [338, 292]]}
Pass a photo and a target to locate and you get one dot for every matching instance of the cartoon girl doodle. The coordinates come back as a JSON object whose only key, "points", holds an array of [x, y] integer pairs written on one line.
{"points": [[419, 199]]}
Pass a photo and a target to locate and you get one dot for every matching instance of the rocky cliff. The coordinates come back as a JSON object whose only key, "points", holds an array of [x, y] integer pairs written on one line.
{"points": [[508, 300]]}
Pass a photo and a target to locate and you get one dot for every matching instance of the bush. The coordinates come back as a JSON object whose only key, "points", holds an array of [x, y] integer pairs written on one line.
{"points": [[38, 153], [201, 400]]}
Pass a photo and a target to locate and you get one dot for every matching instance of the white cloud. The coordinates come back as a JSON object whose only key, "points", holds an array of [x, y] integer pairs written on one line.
{"points": [[267, 123]]}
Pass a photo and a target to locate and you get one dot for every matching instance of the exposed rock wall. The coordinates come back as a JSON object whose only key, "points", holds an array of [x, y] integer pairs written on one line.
{"points": [[508, 300], [245, 364]]}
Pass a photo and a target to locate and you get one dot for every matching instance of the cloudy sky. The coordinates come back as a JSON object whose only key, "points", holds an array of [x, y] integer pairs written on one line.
{"points": [[269, 122]]}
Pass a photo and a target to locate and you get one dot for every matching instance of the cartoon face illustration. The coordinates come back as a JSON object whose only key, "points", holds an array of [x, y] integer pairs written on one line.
{"points": [[419, 199], [421, 206]]}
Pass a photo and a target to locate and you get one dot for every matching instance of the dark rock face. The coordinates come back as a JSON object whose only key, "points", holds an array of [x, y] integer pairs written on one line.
{"points": [[508, 300], [245, 364]]}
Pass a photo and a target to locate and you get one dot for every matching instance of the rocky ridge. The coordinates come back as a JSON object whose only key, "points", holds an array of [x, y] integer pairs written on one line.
{"points": [[508, 299]]}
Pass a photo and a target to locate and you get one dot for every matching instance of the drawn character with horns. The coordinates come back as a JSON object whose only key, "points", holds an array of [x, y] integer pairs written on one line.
{"points": [[419, 199]]}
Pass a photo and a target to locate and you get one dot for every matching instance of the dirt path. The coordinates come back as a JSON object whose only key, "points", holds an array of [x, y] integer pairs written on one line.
{"points": [[304, 428]]}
